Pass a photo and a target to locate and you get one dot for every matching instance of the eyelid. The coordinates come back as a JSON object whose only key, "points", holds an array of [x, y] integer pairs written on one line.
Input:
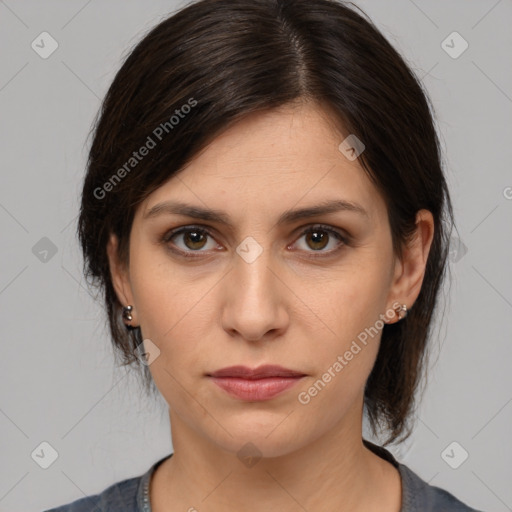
{"points": [[343, 237]]}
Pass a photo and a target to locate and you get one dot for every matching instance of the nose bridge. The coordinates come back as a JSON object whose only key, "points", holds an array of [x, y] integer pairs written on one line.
{"points": [[252, 273]]}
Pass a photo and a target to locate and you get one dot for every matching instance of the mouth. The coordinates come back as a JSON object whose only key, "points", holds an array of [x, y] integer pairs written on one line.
{"points": [[261, 372], [258, 384]]}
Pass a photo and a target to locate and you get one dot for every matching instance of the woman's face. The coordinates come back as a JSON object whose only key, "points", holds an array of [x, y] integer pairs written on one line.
{"points": [[259, 289]]}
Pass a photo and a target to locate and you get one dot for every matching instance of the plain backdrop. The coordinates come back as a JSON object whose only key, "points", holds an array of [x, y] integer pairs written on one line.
{"points": [[60, 392]]}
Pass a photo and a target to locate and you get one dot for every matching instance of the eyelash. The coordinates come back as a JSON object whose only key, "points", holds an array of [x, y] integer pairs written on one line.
{"points": [[167, 237]]}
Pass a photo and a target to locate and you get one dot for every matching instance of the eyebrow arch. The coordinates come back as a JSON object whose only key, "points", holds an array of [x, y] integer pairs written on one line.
{"points": [[326, 207]]}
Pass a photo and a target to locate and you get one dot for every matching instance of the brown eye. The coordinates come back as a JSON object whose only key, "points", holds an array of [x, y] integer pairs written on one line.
{"points": [[317, 239], [189, 240], [194, 239]]}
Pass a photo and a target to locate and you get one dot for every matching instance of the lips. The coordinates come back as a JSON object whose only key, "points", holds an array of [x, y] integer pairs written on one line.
{"points": [[261, 372], [258, 384]]}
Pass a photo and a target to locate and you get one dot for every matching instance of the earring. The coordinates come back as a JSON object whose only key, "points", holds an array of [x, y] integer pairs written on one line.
{"points": [[127, 313], [401, 309]]}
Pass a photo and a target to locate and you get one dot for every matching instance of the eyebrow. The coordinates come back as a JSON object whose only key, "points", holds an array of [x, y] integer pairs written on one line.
{"points": [[196, 212]]}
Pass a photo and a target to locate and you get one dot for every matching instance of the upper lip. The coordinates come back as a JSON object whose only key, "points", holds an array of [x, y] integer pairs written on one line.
{"points": [[264, 371]]}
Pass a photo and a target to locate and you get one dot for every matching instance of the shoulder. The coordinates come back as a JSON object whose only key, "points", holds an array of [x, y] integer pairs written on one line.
{"points": [[130, 495], [121, 496], [418, 495]]}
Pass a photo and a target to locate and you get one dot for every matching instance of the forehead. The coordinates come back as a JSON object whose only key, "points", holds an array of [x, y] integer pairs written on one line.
{"points": [[271, 161]]}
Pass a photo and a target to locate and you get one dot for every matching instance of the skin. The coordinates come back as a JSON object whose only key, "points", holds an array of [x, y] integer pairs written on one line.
{"points": [[285, 307]]}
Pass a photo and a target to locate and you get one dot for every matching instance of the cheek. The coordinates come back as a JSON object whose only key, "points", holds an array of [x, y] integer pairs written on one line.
{"points": [[163, 292], [349, 301], [176, 310], [342, 361], [178, 323], [346, 341]]}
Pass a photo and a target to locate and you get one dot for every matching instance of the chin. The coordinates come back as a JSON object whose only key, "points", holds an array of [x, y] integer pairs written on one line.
{"points": [[266, 439]]}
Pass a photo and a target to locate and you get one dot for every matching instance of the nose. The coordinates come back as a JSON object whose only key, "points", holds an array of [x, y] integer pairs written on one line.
{"points": [[255, 299]]}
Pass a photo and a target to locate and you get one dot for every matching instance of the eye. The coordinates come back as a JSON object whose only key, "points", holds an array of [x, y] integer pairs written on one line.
{"points": [[195, 239], [318, 237]]}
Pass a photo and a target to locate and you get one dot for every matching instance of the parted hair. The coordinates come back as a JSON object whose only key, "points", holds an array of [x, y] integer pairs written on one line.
{"points": [[213, 62]]}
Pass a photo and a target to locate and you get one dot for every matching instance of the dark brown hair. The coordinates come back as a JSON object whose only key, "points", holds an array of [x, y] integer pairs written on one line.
{"points": [[224, 59]]}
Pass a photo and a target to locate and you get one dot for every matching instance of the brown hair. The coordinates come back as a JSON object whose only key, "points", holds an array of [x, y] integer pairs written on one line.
{"points": [[224, 59]]}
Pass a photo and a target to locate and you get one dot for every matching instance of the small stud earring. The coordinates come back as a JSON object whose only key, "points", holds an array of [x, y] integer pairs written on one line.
{"points": [[401, 309], [127, 313]]}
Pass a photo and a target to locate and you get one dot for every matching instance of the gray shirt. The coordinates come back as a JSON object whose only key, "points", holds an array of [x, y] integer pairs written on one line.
{"points": [[132, 494]]}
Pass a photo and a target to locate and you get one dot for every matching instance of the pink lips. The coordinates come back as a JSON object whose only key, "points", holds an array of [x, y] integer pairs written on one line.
{"points": [[257, 384]]}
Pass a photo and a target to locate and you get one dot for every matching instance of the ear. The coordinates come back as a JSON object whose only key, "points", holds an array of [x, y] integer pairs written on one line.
{"points": [[410, 270], [120, 276]]}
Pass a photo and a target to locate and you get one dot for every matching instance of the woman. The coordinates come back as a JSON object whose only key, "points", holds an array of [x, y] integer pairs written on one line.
{"points": [[266, 212]]}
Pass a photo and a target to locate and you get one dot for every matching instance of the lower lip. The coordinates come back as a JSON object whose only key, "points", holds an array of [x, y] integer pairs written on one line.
{"points": [[255, 389]]}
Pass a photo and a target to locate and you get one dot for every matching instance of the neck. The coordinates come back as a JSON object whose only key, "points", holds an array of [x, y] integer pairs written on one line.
{"points": [[334, 472]]}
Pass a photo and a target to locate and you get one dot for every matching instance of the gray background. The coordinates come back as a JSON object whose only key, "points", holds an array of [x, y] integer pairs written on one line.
{"points": [[59, 384]]}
